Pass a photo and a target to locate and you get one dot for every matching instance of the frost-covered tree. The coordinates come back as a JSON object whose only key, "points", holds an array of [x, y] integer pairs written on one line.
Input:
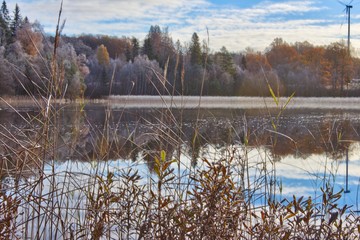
{"points": [[256, 84], [142, 77], [6, 79], [73, 82], [17, 63]]}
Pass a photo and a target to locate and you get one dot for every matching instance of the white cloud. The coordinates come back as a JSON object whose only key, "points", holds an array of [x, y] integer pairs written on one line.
{"points": [[291, 7], [234, 27]]}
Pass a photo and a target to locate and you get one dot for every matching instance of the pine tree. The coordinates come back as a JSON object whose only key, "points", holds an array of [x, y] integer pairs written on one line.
{"points": [[16, 22], [243, 62], [1, 19], [135, 47], [152, 43], [26, 20], [4, 24], [226, 61], [158, 45], [128, 53], [195, 50], [5, 12], [148, 49], [132, 49], [2, 31]]}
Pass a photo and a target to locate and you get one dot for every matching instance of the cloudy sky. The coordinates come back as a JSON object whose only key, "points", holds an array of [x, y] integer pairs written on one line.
{"points": [[236, 24]]}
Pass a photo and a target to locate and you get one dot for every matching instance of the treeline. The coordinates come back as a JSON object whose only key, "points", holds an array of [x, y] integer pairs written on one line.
{"points": [[96, 66]]}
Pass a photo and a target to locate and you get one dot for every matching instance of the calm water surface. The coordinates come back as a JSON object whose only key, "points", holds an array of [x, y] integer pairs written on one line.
{"points": [[295, 152]]}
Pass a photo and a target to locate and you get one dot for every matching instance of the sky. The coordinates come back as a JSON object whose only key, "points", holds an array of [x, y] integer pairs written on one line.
{"points": [[235, 24]]}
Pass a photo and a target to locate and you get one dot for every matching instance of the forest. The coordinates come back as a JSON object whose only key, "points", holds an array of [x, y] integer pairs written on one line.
{"points": [[95, 66]]}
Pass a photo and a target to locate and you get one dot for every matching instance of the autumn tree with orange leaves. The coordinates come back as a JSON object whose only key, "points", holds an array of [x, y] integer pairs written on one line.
{"points": [[30, 40], [341, 65], [314, 58]]}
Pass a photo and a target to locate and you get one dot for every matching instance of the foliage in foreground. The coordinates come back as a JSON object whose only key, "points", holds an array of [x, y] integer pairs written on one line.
{"points": [[213, 206]]}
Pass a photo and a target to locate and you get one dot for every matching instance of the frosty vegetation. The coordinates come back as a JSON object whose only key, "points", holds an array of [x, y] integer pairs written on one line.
{"points": [[98, 65]]}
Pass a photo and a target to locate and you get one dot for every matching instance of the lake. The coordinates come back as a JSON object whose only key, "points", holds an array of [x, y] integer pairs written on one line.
{"points": [[275, 153]]}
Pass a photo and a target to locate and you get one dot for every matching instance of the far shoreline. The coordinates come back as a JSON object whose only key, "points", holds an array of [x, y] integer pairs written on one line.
{"points": [[191, 102]]}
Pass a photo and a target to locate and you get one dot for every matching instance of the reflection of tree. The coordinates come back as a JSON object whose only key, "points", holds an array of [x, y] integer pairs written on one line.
{"points": [[152, 150], [336, 133], [327, 137], [95, 134], [21, 153], [197, 141]]}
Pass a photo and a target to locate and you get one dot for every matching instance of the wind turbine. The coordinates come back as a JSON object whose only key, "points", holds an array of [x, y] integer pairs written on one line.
{"points": [[347, 9]]}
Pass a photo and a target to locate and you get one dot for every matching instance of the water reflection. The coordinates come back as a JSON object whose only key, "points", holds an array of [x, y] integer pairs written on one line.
{"points": [[103, 134], [305, 147]]}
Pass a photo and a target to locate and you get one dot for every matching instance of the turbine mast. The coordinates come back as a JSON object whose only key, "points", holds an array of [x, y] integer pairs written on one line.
{"points": [[348, 7]]}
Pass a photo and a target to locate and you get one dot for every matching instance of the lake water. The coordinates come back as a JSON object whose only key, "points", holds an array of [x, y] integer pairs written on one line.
{"points": [[307, 148], [292, 152]]}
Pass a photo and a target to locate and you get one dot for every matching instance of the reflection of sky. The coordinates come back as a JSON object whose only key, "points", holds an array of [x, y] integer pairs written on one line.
{"points": [[295, 175], [303, 177], [300, 177], [306, 176]]}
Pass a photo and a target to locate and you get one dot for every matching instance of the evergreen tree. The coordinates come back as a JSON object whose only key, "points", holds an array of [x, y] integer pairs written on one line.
{"points": [[2, 31], [147, 48], [4, 23], [205, 54], [16, 22], [132, 50], [195, 50], [158, 45], [26, 20], [5, 12], [226, 61], [152, 43], [243, 62], [154, 31], [128, 53], [135, 47]]}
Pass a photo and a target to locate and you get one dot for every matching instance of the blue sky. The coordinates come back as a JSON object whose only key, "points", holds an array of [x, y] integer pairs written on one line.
{"points": [[236, 24]]}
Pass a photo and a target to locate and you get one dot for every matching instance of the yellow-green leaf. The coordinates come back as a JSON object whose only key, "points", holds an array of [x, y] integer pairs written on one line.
{"points": [[163, 156]]}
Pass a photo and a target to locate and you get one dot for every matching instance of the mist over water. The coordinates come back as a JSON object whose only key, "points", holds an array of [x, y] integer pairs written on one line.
{"points": [[212, 102]]}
